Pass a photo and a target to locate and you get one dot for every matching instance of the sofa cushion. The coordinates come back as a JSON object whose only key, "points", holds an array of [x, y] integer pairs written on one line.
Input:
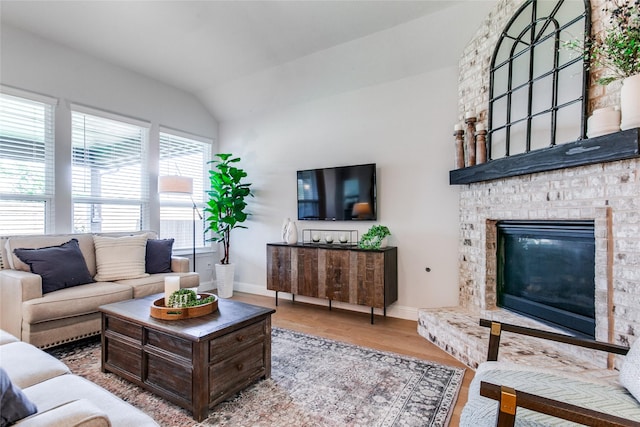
{"points": [[6, 337], [60, 266], [75, 301], [27, 365], [120, 257], [42, 241], [630, 370], [47, 395], [77, 413], [14, 405], [158, 256], [155, 283]]}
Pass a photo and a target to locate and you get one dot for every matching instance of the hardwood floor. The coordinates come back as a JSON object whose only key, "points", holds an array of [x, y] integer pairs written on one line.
{"points": [[388, 334]]}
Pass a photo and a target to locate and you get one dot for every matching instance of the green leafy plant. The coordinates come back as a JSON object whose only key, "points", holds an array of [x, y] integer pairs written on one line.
{"points": [[187, 298], [372, 239], [617, 48], [226, 206]]}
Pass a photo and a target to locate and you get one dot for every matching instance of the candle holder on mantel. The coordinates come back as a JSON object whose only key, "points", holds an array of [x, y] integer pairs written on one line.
{"points": [[471, 140], [481, 144], [459, 144]]}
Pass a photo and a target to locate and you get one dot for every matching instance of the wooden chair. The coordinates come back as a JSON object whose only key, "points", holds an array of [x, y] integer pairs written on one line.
{"points": [[510, 399]]}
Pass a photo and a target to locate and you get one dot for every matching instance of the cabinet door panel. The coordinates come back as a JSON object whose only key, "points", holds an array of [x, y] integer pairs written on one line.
{"points": [[279, 268], [370, 279], [307, 271], [337, 268]]}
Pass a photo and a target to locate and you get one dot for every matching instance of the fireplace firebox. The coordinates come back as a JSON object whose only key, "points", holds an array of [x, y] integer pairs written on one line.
{"points": [[546, 270]]}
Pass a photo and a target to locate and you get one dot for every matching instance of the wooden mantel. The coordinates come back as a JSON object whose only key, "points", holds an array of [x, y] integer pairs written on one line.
{"points": [[607, 148]]}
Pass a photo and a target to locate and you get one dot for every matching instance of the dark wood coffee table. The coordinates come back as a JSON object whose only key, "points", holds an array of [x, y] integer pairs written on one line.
{"points": [[194, 363]]}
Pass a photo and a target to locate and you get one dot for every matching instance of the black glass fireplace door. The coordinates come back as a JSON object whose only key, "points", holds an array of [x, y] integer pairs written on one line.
{"points": [[546, 270]]}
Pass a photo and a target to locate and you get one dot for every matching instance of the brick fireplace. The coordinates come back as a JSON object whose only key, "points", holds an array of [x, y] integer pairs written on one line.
{"points": [[606, 193]]}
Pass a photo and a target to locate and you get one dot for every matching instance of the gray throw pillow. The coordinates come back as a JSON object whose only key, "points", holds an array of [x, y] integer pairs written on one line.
{"points": [[60, 267], [14, 405], [158, 256]]}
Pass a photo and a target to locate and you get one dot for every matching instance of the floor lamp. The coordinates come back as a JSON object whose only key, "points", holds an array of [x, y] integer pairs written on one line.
{"points": [[181, 185]]}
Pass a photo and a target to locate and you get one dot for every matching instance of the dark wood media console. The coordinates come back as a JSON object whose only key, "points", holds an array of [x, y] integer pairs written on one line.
{"points": [[334, 272]]}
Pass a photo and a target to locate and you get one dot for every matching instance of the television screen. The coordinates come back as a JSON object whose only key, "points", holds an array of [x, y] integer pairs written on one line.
{"points": [[345, 193]]}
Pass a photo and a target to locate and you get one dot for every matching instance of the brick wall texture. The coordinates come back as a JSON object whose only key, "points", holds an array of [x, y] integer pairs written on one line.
{"points": [[593, 192]]}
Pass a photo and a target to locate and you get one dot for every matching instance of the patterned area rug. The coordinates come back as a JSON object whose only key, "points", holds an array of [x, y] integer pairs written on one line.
{"points": [[314, 382]]}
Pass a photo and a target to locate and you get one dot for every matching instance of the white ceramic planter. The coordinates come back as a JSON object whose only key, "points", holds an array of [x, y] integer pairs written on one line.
{"points": [[603, 121], [630, 102], [224, 280]]}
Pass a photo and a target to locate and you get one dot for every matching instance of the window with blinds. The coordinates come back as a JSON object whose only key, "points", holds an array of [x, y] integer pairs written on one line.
{"points": [[187, 156], [26, 165], [109, 172]]}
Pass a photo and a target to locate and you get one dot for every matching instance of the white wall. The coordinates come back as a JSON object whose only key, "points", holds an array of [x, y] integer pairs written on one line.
{"points": [[406, 128], [34, 64]]}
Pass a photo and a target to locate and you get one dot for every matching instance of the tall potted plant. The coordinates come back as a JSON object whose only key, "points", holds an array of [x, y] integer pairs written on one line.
{"points": [[225, 211]]}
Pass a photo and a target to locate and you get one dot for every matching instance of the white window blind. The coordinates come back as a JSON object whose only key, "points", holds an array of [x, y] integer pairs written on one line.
{"points": [[109, 174], [26, 165], [184, 156]]}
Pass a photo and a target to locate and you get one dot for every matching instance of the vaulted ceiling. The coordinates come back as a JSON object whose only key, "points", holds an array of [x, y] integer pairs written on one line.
{"points": [[244, 57]]}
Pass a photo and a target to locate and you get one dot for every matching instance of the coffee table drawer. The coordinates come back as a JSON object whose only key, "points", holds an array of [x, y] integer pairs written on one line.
{"points": [[234, 342], [172, 376], [173, 345], [122, 356], [231, 374], [123, 327]]}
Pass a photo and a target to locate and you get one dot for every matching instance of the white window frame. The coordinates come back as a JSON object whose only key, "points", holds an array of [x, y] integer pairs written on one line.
{"points": [[143, 199], [185, 201], [48, 195]]}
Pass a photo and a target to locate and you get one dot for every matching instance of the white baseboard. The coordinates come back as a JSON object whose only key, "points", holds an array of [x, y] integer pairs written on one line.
{"points": [[397, 311]]}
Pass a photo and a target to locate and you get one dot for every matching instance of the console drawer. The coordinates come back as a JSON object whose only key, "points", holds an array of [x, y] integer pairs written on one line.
{"points": [[235, 342]]}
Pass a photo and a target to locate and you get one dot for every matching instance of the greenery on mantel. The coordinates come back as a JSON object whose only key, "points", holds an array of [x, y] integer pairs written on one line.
{"points": [[617, 48]]}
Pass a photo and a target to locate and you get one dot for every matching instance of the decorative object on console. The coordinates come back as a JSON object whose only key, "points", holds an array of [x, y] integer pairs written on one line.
{"points": [[374, 238], [226, 211], [481, 144], [289, 232], [603, 121], [328, 238], [181, 185], [471, 139], [458, 132]]}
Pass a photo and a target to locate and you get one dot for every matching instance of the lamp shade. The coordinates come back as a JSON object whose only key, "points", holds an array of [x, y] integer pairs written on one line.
{"points": [[175, 184]]}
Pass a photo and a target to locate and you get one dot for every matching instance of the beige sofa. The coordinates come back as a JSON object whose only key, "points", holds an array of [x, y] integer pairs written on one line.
{"points": [[49, 319], [61, 398]]}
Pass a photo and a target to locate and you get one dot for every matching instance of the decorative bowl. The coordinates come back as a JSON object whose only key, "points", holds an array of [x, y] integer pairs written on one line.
{"points": [[159, 311]]}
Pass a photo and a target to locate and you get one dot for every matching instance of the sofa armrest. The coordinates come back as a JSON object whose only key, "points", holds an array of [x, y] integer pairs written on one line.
{"points": [[510, 399], [15, 287], [497, 328], [179, 264], [77, 413]]}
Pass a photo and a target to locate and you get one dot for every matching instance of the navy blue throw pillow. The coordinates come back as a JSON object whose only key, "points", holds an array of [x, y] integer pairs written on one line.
{"points": [[14, 405], [60, 267], [158, 258]]}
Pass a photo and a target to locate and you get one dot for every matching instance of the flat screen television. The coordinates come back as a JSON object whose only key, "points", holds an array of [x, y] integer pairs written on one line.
{"points": [[345, 193]]}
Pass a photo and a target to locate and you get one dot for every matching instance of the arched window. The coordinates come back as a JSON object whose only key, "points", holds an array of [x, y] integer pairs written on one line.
{"points": [[538, 88]]}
